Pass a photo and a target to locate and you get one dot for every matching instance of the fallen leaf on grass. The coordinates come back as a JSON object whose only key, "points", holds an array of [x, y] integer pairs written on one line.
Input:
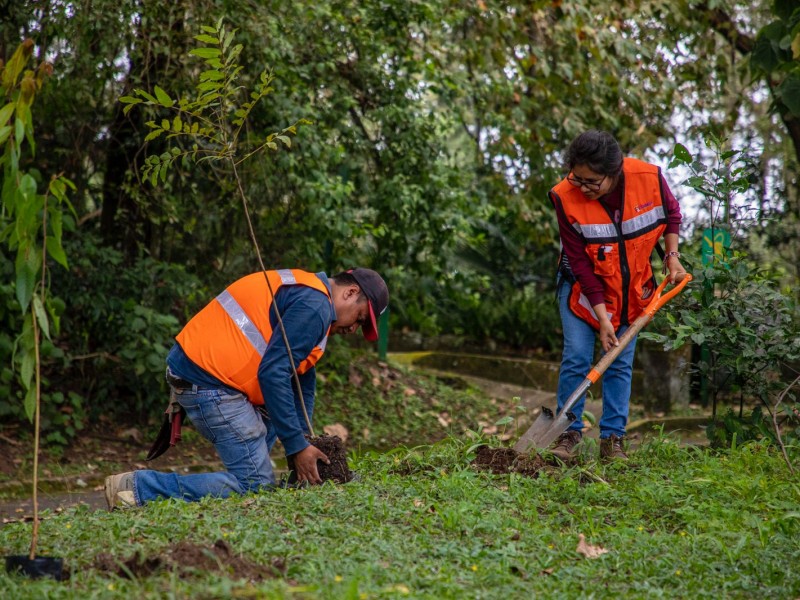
{"points": [[548, 571], [587, 549]]}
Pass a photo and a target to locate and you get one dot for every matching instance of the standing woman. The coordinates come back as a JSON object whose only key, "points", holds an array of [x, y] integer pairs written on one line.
{"points": [[611, 212]]}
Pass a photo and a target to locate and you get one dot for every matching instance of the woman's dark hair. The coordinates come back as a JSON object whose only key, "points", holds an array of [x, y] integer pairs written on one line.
{"points": [[597, 150]]}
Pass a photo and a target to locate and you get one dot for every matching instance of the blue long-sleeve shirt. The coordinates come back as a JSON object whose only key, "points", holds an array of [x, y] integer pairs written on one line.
{"points": [[307, 314]]}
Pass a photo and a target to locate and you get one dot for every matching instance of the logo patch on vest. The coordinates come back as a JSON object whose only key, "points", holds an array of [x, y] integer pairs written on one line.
{"points": [[640, 207]]}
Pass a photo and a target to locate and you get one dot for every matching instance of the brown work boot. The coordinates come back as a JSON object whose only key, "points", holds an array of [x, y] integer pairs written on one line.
{"points": [[119, 491], [611, 448], [564, 447]]}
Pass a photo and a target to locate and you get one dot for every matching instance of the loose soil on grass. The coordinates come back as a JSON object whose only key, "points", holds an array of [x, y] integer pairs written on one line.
{"points": [[501, 461], [186, 558], [333, 447]]}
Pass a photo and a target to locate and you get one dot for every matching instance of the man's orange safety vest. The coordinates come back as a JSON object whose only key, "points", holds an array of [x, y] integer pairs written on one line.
{"points": [[619, 252], [228, 338]]}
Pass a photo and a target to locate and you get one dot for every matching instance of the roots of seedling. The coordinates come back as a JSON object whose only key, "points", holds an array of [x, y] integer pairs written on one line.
{"points": [[333, 447], [507, 460]]}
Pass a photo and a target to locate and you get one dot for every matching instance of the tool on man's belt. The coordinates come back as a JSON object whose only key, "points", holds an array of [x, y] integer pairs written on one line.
{"points": [[170, 432]]}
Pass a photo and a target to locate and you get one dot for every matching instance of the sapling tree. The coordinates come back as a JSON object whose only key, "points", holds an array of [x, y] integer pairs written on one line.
{"points": [[31, 227], [209, 127]]}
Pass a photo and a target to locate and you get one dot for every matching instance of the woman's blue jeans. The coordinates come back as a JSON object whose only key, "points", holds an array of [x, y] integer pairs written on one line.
{"points": [[577, 361], [241, 437]]}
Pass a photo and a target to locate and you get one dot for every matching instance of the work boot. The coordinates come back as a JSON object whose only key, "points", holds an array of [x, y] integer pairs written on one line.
{"points": [[119, 491], [564, 447], [611, 448]]}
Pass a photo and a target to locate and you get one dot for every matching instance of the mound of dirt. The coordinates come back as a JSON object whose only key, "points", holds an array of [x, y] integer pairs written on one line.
{"points": [[186, 558], [501, 461]]}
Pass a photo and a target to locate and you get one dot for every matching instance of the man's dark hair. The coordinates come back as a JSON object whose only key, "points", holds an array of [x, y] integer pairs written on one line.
{"points": [[344, 278], [597, 150]]}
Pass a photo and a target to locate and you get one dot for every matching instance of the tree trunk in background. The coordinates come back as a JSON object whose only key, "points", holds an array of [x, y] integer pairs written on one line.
{"points": [[666, 377]]}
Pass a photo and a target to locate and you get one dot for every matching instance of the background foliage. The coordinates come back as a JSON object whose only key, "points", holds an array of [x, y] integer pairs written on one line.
{"points": [[437, 129]]}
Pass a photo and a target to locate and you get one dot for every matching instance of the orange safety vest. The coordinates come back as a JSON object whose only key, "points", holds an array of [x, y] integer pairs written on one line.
{"points": [[228, 338], [620, 252]]}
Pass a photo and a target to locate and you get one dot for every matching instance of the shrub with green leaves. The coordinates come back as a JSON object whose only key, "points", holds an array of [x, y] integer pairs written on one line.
{"points": [[734, 308]]}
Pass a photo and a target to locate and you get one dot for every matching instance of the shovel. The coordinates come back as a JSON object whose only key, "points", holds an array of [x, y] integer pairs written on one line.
{"points": [[548, 426]]}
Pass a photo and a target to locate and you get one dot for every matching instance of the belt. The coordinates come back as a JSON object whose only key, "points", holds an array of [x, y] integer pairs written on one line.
{"points": [[178, 383]]}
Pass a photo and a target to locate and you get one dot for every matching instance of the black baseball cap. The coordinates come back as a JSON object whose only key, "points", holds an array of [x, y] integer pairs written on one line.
{"points": [[374, 288]]}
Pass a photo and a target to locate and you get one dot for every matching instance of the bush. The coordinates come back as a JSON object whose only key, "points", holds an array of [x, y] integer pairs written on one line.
{"points": [[119, 326]]}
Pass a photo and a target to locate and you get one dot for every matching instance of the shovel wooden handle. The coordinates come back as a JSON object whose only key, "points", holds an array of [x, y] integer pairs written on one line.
{"points": [[647, 315]]}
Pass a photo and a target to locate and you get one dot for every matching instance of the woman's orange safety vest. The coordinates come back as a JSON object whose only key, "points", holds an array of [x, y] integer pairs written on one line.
{"points": [[228, 338], [620, 252]]}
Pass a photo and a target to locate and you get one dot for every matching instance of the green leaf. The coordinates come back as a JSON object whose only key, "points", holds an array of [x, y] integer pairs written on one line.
{"points": [[163, 171], [286, 140], [153, 134], [165, 124], [207, 39], [206, 52], [6, 112], [30, 403], [789, 92], [5, 132], [27, 266], [41, 316], [146, 96], [212, 75], [682, 154], [55, 250], [177, 124], [130, 100], [163, 98]]}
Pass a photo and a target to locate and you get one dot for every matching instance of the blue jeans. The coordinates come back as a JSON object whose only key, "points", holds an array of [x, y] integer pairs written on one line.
{"points": [[241, 437], [577, 361]]}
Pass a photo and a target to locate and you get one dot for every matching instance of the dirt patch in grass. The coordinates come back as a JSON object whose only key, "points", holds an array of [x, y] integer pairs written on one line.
{"points": [[507, 460], [333, 447], [187, 558]]}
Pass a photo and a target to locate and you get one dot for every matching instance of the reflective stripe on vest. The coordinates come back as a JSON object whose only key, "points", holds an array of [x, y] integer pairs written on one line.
{"points": [[243, 322], [601, 232]]}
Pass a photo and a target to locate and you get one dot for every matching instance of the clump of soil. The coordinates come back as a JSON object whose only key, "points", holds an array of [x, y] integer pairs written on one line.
{"points": [[333, 447], [186, 557], [507, 460]]}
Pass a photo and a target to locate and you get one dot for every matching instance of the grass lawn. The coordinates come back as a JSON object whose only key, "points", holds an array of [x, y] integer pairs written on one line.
{"points": [[676, 522]]}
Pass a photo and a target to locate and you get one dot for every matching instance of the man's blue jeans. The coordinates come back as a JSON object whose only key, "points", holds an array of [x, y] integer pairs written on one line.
{"points": [[577, 361], [241, 437]]}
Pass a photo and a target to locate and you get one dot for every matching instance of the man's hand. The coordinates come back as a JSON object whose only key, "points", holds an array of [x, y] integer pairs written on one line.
{"points": [[305, 464]]}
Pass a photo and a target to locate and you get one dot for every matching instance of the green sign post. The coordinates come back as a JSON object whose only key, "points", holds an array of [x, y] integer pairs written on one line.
{"points": [[716, 243], [383, 334]]}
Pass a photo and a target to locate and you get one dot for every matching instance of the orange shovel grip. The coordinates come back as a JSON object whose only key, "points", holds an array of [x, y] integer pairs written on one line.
{"points": [[658, 300]]}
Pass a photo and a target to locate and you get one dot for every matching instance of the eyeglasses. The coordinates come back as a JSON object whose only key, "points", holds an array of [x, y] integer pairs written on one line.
{"points": [[592, 186]]}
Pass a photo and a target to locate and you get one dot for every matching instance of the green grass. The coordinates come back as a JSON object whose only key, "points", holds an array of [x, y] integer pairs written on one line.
{"points": [[677, 522]]}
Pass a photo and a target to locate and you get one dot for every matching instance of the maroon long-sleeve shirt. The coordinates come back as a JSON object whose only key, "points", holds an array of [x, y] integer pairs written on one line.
{"points": [[574, 247]]}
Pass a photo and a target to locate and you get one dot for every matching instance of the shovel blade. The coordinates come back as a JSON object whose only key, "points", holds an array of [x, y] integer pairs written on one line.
{"points": [[545, 430], [542, 423], [559, 426]]}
